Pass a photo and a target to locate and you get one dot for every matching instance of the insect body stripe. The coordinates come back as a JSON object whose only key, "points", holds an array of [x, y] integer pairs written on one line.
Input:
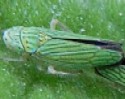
{"points": [[20, 36]]}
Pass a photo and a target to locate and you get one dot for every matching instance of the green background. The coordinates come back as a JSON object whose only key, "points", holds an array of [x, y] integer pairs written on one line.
{"points": [[97, 18]]}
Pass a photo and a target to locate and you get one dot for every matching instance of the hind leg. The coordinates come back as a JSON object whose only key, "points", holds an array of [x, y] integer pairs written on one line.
{"points": [[55, 22]]}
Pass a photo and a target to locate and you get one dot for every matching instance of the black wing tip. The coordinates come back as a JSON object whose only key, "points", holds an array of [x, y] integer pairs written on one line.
{"points": [[101, 43], [123, 61]]}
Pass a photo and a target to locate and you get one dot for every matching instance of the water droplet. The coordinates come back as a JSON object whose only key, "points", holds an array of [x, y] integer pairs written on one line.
{"points": [[91, 26], [4, 69], [14, 13], [40, 89], [36, 12], [82, 30], [81, 18], [101, 20], [13, 95], [98, 34], [25, 12], [122, 30], [26, 21], [110, 26], [120, 14], [11, 84], [29, 4], [19, 10], [58, 91]]}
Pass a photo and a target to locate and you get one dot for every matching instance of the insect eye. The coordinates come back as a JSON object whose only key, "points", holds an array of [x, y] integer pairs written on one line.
{"points": [[19, 48], [2, 33], [6, 39]]}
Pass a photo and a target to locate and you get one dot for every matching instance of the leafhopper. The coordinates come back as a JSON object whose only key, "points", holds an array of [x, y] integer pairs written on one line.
{"points": [[68, 51]]}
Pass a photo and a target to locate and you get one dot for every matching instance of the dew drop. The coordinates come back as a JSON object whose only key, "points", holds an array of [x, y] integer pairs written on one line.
{"points": [[14, 13], [91, 26], [120, 14], [82, 30], [40, 89], [19, 10], [98, 34], [25, 12], [4, 69], [24, 84], [36, 12], [81, 18], [29, 4], [13, 95]]}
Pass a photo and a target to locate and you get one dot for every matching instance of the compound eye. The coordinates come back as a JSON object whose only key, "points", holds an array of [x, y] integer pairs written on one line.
{"points": [[2, 33]]}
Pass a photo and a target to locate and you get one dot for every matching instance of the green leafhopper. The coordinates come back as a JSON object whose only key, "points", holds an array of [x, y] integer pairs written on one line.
{"points": [[68, 50]]}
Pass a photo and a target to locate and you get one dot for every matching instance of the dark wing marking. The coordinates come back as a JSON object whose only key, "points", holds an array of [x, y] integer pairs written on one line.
{"points": [[104, 43]]}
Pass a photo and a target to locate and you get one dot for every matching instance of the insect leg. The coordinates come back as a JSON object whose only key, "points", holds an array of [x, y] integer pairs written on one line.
{"points": [[51, 70], [55, 22], [12, 59]]}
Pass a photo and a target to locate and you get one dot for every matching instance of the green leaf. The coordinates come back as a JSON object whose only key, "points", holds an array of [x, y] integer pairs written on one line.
{"points": [[98, 18]]}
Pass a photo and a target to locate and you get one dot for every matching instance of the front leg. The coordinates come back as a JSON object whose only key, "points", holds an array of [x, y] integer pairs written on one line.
{"points": [[24, 57], [53, 24], [12, 59], [51, 70]]}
